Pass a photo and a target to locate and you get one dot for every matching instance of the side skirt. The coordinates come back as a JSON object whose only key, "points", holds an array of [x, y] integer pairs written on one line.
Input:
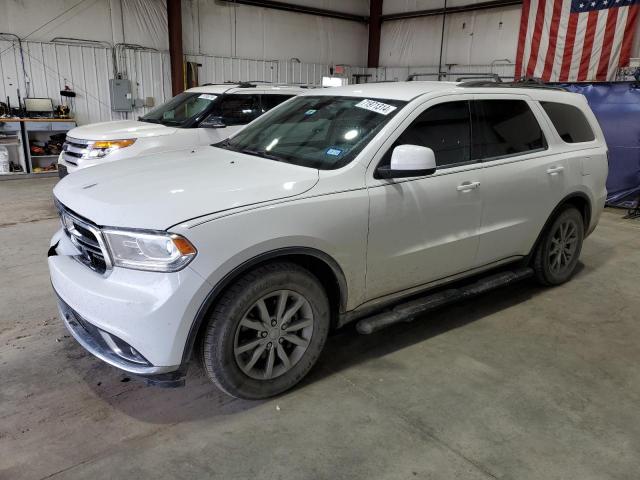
{"points": [[408, 311]]}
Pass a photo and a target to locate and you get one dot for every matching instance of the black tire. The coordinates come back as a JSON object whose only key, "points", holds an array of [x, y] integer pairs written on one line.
{"points": [[220, 340], [548, 272]]}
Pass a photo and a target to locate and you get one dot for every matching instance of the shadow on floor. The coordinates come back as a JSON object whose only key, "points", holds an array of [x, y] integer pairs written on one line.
{"points": [[344, 349]]}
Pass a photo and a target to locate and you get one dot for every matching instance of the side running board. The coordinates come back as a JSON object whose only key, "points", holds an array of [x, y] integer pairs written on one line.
{"points": [[407, 312]]}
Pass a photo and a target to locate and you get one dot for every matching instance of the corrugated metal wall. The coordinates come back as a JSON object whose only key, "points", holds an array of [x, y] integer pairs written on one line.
{"points": [[48, 67], [221, 69]]}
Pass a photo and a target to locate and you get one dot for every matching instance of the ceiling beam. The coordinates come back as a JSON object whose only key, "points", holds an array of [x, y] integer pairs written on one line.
{"points": [[289, 7], [449, 10]]}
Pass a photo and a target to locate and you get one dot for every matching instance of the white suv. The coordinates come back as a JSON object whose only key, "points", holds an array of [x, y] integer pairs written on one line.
{"points": [[198, 116], [335, 205]]}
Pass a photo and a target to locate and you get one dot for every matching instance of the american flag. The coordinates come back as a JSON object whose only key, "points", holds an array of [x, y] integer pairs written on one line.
{"points": [[575, 40]]}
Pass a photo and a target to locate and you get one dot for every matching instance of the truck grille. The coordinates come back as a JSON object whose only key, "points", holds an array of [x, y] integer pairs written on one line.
{"points": [[75, 149], [86, 237]]}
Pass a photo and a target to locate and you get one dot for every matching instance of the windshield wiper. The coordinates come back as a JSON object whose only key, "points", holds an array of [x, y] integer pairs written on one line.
{"points": [[148, 120], [262, 153], [171, 123]]}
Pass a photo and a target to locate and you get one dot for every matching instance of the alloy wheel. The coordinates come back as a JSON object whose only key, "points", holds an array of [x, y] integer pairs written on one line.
{"points": [[273, 334], [564, 243]]}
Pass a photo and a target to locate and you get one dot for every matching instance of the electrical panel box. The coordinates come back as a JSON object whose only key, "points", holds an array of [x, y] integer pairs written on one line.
{"points": [[120, 91]]}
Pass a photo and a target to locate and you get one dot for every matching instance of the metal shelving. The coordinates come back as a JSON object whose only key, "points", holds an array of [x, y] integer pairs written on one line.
{"points": [[11, 137], [41, 130]]}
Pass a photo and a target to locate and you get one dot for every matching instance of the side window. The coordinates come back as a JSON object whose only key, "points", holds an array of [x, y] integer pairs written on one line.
{"points": [[445, 128], [239, 109], [504, 127], [270, 101], [570, 122]]}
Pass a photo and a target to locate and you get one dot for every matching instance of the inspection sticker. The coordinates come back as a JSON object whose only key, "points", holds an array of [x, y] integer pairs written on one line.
{"points": [[208, 96], [334, 152], [378, 107], [310, 111]]}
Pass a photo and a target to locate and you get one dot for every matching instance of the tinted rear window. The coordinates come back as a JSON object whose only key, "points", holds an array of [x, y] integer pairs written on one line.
{"points": [[270, 101], [505, 127], [570, 122]]}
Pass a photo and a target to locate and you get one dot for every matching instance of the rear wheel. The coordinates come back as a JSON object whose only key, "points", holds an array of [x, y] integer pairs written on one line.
{"points": [[557, 254], [266, 331]]}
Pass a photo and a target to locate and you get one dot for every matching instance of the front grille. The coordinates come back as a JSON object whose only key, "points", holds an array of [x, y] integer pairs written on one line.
{"points": [[75, 149], [86, 237]]}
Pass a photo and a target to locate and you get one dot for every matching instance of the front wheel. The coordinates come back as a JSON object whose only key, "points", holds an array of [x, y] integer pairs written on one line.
{"points": [[266, 331], [557, 254]]}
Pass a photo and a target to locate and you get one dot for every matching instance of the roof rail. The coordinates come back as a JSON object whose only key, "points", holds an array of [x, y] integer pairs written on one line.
{"points": [[492, 77], [413, 76], [524, 83], [256, 83]]}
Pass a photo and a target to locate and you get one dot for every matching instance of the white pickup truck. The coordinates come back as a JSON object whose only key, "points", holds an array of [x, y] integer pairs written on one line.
{"points": [[198, 116]]}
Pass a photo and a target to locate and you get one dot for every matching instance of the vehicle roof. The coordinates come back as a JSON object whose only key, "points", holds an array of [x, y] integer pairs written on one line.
{"points": [[407, 91], [236, 87]]}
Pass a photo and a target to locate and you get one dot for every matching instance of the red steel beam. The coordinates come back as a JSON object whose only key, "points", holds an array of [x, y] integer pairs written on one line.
{"points": [[375, 25], [174, 20]]}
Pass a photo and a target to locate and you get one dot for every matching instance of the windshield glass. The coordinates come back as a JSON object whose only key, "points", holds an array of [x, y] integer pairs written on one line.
{"points": [[181, 109], [315, 131]]}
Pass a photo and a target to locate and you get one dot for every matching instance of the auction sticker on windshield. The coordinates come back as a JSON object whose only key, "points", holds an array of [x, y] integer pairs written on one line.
{"points": [[208, 96], [378, 107]]}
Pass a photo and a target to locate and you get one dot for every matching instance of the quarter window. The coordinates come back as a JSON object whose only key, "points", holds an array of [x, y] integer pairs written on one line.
{"points": [[503, 128], [570, 122], [239, 109], [445, 128], [270, 101]]}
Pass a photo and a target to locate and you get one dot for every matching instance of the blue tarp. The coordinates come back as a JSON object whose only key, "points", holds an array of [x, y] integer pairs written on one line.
{"points": [[617, 107]]}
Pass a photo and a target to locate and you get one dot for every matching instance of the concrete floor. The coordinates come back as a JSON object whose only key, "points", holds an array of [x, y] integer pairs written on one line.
{"points": [[524, 383]]}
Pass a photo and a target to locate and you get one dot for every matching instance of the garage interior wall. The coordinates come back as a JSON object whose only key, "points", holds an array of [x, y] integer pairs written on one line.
{"points": [[234, 43], [476, 41]]}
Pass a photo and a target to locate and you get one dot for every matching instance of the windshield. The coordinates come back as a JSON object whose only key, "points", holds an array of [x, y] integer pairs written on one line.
{"points": [[315, 131], [181, 109]]}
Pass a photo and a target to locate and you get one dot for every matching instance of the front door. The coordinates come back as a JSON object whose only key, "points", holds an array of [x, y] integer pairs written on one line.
{"points": [[425, 229]]}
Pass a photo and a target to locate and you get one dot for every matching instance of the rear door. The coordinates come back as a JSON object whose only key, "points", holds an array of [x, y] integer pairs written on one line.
{"points": [[523, 179]]}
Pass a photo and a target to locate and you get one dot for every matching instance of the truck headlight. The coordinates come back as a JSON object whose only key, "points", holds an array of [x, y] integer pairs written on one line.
{"points": [[102, 148], [153, 251]]}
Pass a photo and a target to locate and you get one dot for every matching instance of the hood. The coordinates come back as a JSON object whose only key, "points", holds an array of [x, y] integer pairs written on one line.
{"points": [[120, 129], [158, 191]]}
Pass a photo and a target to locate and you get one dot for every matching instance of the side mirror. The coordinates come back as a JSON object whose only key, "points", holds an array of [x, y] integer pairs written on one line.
{"points": [[409, 161], [212, 122]]}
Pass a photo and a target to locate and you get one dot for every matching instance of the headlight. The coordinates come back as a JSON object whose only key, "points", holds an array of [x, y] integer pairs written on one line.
{"points": [[155, 251], [102, 148]]}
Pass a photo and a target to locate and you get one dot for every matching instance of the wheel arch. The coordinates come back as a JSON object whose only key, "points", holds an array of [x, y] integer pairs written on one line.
{"points": [[580, 200], [322, 265]]}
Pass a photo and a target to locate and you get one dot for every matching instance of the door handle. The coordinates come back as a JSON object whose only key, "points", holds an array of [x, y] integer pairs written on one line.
{"points": [[555, 170], [466, 186]]}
